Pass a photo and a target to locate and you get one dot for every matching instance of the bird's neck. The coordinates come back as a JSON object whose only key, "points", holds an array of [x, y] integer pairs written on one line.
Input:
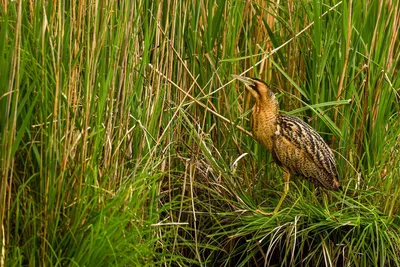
{"points": [[264, 120]]}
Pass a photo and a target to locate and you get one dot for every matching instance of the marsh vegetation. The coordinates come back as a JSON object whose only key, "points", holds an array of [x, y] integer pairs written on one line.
{"points": [[123, 137]]}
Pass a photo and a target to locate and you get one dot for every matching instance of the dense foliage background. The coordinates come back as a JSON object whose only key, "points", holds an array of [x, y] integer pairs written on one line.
{"points": [[123, 135]]}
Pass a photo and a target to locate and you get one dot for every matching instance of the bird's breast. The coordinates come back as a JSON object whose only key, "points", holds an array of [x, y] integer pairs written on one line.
{"points": [[264, 127]]}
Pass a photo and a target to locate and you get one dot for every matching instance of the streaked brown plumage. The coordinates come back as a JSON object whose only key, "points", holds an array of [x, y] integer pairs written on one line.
{"points": [[295, 146]]}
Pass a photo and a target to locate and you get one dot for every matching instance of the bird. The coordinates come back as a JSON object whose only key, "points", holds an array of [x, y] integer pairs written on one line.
{"points": [[296, 147]]}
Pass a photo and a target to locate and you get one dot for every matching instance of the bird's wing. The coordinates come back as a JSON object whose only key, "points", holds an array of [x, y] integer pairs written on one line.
{"points": [[300, 134]]}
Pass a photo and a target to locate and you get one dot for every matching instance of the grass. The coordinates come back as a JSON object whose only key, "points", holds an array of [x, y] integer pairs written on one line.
{"points": [[124, 140]]}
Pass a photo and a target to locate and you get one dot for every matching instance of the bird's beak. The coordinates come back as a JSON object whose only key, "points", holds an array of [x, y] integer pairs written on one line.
{"points": [[247, 81]]}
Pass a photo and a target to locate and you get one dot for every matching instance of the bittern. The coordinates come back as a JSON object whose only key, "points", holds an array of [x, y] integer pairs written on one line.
{"points": [[295, 146]]}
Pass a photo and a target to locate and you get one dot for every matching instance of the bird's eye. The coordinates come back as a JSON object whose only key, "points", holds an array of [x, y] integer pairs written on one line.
{"points": [[255, 88]]}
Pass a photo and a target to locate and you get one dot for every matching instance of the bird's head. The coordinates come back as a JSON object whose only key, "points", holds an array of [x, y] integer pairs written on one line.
{"points": [[258, 89]]}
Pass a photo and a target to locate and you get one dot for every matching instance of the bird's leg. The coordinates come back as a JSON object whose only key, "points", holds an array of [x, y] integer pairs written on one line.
{"points": [[286, 178]]}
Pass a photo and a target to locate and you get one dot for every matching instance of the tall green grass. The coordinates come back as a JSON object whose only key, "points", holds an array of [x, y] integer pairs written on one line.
{"points": [[123, 138]]}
